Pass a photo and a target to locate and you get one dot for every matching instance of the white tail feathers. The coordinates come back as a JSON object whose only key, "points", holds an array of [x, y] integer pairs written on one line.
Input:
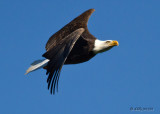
{"points": [[37, 65]]}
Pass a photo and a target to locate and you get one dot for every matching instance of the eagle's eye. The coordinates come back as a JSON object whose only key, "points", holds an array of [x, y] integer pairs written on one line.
{"points": [[108, 41]]}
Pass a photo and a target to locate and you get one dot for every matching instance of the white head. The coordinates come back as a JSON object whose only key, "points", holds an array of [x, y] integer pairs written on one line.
{"points": [[101, 46]]}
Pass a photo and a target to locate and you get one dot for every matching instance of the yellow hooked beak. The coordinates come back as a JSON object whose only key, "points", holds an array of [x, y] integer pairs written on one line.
{"points": [[114, 43]]}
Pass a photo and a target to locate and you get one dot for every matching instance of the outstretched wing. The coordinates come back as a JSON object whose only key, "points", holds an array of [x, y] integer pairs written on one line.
{"points": [[57, 56], [79, 22]]}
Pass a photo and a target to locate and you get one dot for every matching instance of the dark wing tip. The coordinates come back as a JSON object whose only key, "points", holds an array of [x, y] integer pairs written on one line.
{"points": [[83, 18], [53, 82], [91, 10]]}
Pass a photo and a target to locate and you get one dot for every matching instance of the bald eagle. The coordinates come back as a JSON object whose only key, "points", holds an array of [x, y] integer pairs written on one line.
{"points": [[72, 44]]}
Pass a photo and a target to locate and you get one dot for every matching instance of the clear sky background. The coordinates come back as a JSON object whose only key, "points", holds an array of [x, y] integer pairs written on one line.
{"points": [[110, 83]]}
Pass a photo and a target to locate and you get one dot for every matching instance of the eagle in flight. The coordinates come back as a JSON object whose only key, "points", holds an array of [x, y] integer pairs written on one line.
{"points": [[72, 44]]}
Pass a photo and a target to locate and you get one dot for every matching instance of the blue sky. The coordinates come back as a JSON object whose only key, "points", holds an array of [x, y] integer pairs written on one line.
{"points": [[110, 83]]}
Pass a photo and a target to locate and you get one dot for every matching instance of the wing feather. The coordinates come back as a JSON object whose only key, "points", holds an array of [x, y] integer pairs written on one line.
{"points": [[79, 22], [57, 56]]}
